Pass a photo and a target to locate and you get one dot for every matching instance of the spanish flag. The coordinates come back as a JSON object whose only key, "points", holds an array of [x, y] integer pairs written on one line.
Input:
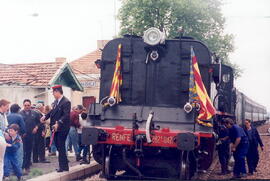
{"points": [[198, 92], [117, 77]]}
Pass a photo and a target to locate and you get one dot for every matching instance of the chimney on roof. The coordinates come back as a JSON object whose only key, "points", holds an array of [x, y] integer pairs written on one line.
{"points": [[60, 59], [101, 43]]}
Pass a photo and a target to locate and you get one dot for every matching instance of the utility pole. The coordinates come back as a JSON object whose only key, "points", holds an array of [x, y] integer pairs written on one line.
{"points": [[114, 18]]}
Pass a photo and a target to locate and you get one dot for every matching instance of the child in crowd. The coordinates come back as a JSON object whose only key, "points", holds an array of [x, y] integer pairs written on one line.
{"points": [[11, 157], [82, 147]]}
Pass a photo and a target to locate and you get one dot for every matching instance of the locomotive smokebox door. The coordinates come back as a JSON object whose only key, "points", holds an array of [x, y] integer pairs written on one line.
{"points": [[90, 136], [185, 141]]}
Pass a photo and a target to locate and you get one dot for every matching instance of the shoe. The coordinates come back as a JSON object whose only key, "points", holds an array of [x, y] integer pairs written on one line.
{"points": [[255, 170], [250, 173], [235, 177], [35, 161], [5, 178], [19, 178], [84, 161], [45, 161], [244, 175], [62, 170], [52, 154], [78, 158], [26, 171]]}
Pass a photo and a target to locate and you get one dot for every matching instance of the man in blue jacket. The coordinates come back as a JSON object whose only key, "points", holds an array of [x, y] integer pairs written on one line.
{"points": [[223, 148], [239, 147], [254, 140], [15, 118]]}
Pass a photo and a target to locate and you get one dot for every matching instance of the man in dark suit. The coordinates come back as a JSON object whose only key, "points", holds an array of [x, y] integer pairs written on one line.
{"points": [[60, 124]]}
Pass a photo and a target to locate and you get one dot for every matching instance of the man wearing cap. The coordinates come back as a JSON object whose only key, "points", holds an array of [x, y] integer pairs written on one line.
{"points": [[60, 124], [239, 147]]}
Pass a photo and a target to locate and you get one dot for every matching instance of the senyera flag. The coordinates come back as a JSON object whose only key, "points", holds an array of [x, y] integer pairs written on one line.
{"points": [[117, 77], [207, 110]]}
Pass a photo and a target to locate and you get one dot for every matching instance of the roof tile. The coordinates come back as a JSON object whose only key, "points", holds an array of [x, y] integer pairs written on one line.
{"points": [[86, 64], [34, 74]]}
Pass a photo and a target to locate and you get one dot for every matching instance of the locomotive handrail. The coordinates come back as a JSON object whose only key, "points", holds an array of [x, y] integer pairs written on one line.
{"points": [[148, 127]]}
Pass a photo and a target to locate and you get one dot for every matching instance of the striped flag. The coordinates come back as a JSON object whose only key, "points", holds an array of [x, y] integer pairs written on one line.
{"points": [[193, 96], [197, 91], [117, 78]]}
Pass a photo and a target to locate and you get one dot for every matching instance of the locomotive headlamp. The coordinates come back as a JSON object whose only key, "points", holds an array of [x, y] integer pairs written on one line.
{"points": [[153, 36], [111, 101], [154, 55], [188, 107]]}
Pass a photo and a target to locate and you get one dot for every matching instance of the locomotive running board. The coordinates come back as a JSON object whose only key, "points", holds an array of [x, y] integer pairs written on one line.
{"points": [[160, 138]]}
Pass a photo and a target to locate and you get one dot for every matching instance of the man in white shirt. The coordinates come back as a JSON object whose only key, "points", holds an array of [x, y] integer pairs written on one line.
{"points": [[4, 106]]}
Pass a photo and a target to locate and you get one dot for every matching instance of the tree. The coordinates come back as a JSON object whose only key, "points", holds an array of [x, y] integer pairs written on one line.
{"points": [[201, 19]]}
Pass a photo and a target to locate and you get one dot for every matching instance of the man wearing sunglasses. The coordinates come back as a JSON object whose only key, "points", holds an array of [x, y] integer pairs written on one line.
{"points": [[31, 119]]}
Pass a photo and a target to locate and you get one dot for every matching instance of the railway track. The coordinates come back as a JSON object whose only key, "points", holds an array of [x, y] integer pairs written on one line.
{"points": [[202, 175]]}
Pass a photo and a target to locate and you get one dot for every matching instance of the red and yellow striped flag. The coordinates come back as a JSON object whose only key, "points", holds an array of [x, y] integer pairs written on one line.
{"points": [[207, 109], [117, 77]]}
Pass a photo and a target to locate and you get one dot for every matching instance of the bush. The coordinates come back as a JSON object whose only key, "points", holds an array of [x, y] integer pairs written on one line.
{"points": [[35, 172]]}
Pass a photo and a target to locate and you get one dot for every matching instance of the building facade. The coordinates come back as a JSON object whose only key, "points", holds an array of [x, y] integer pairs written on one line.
{"points": [[34, 80]]}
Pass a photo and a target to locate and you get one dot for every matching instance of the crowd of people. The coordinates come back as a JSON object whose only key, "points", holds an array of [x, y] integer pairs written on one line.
{"points": [[243, 142], [26, 134]]}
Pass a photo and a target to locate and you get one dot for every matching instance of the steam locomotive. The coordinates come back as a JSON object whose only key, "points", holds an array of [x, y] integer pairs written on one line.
{"points": [[151, 131]]}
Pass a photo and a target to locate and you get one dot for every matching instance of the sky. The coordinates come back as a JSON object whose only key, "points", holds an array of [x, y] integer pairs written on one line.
{"points": [[249, 22], [41, 30]]}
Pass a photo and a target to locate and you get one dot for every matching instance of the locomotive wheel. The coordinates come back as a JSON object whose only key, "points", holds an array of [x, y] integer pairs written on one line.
{"points": [[184, 166], [109, 171], [97, 153]]}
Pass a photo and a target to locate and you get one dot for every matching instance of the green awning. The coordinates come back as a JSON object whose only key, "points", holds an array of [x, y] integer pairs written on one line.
{"points": [[67, 78]]}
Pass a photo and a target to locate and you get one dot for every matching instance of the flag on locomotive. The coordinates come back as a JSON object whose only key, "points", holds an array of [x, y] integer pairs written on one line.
{"points": [[117, 81], [198, 96]]}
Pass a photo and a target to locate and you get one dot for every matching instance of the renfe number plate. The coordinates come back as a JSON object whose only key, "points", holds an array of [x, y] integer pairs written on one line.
{"points": [[127, 138], [162, 139]]}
